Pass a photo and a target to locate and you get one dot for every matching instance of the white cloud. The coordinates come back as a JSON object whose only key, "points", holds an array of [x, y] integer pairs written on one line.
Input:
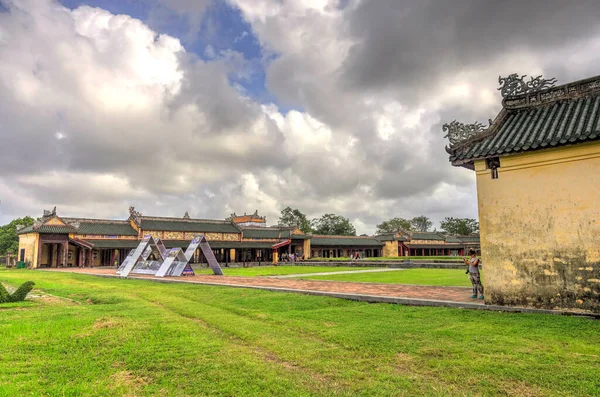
{"points": [[102, 112]]}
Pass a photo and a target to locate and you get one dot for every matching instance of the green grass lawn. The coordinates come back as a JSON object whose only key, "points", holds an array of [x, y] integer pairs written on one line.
{"points": [[132, 337], [443, 277], [277, 270], [391, 258]]}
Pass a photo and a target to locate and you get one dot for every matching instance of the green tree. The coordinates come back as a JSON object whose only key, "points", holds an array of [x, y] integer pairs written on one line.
{"points": [[421, 223], [294, 218], [459, 226], [9, 240], [394, 225], [332, 224]]}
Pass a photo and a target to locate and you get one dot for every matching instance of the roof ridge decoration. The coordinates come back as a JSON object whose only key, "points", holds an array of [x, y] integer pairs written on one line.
{"points": [[341, 236], [135, 216], [459, 132], [186, 215], [182, 220], [513, 85], [575, 89], [94, 220]]}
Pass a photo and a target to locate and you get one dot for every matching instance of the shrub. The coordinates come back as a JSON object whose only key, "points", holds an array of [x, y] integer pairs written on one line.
{"points": [[4, 295], [17, 296]]}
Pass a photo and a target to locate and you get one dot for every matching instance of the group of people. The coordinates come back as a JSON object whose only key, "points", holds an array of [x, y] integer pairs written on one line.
{"points": [[285, 257]]}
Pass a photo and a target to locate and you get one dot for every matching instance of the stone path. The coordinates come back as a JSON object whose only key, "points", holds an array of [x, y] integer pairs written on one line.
{"points": [[332, 273], [404, 294], [332, 288]]}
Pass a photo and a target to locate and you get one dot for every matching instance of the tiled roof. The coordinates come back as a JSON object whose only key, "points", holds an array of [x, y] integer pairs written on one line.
{"points": [[114, 243], [188, 225], [220, 244], [103, 227], [86, 226], [387, 237], [469, 239], [53, 229], [26, 229], [560, 116], [347, 241], [425, 236], [266, 232]]}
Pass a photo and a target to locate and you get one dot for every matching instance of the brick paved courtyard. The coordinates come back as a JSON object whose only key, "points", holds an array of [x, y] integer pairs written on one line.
{"points": [[452, 294]]}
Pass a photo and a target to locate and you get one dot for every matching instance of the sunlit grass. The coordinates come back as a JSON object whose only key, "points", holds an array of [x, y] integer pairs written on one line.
{"points": [[440, 277], [277, 270], [120, 337]]}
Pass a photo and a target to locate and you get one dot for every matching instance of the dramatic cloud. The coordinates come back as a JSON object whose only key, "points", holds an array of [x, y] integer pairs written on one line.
{"points": [[99, 112]]}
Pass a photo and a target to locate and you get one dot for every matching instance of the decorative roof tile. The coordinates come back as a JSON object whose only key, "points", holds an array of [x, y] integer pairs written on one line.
{"points": [[549, 118], [425, 236], [347, 241], [187, 225], [102, 227], [267, 232], [113, 243]]}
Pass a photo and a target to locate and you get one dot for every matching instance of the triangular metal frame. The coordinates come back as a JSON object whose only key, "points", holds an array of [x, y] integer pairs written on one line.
{"points": [[173, 262]]}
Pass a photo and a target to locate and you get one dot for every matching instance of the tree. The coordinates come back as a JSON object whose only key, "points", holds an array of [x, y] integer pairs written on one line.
{"points": [[421, 223], [294, 218], [332, 224], [459, 226], [9, 240], [394, 225]]}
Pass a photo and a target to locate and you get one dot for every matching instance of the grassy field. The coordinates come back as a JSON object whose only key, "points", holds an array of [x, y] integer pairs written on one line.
{"points": [[442, 277], [277, 270], [115, 337], [390, 258]]}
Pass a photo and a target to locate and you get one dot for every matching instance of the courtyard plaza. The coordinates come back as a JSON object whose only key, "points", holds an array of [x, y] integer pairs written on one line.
{"points": [[451, 293]]}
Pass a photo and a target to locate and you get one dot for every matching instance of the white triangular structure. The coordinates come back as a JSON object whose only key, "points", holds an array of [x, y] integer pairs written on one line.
{"points": [[134, 256], [158, 249], [174, 262], [177, 262]]}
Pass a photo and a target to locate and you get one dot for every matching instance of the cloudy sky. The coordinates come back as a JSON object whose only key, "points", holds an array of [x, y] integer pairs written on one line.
{"points": [[216, 106]]}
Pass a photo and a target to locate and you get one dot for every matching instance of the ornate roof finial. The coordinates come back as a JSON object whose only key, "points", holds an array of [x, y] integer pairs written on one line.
{"points": [[135, 216], [458, 132], [513, 85], [186, 215]]}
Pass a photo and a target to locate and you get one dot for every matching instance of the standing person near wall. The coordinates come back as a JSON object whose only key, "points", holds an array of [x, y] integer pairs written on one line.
{"points": [[474, 274]]}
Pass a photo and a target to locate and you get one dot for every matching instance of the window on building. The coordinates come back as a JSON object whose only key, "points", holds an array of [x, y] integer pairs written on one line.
{"points": [[22, 255], [493, 164]]}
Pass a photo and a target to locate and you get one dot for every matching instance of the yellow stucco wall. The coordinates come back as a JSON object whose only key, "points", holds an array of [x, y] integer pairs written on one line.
{"points": [[390, 248], [306, 249], [540, 228], [29, 242]]}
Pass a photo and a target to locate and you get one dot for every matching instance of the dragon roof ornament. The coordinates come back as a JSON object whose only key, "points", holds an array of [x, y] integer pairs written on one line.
{"points": [[458, 132], [513, 85], [135, 216]]}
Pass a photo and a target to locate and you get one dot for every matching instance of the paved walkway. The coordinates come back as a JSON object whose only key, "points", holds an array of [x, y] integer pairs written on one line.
{"points": [[331, 273], [421, 292], [405, 294]]}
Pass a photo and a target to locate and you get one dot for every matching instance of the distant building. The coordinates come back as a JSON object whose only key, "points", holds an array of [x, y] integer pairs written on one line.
{"points": [[415, 243], [66, 241], [249, 220], [538, 184]]}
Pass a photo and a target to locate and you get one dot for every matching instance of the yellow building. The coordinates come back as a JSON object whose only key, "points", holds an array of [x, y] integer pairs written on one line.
{"points": [[56, 241], [538, 187]]}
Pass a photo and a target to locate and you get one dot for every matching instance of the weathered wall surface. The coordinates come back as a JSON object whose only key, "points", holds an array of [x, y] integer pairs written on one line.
{"points": [[540, 228], [390, 249], [29, 242]]}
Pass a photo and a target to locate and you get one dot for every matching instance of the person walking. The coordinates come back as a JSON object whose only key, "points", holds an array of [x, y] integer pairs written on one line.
{"points": [[474, 274]]}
